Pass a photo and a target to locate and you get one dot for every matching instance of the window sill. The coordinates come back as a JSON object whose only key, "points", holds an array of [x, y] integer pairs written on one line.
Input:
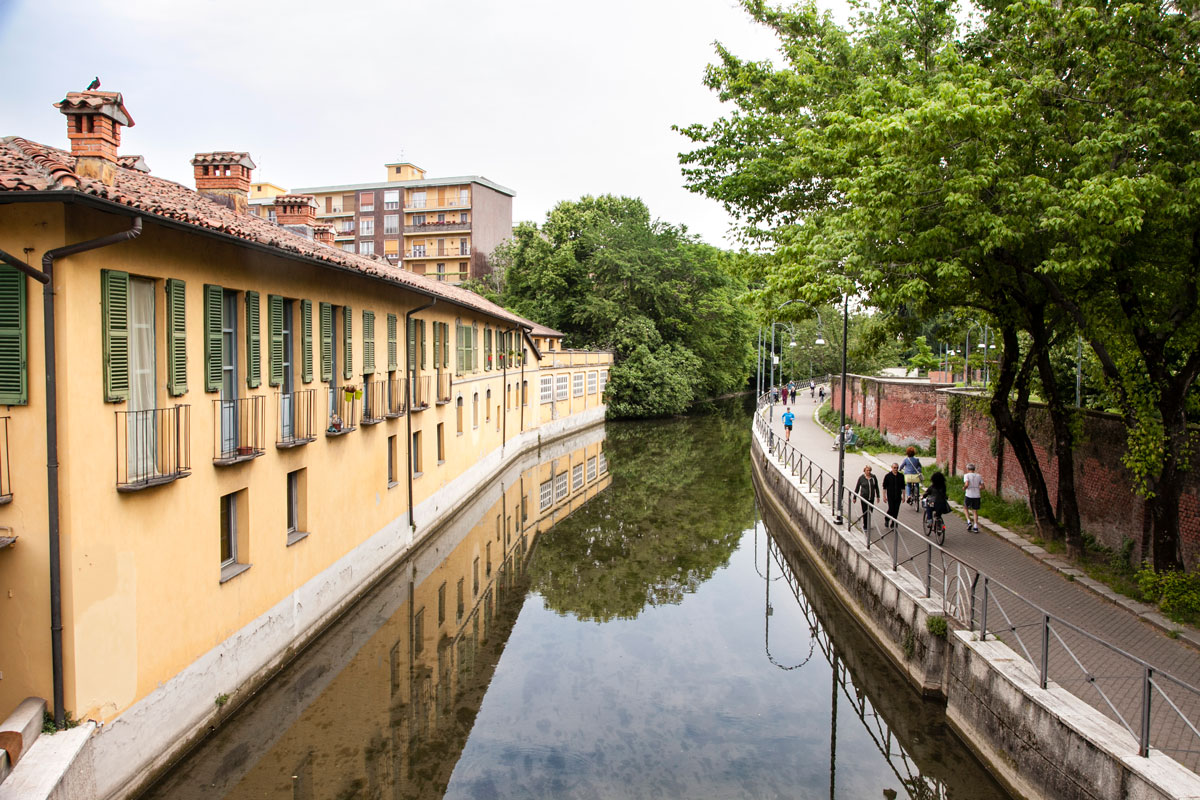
{"points": [[231, 571], [396, 415], [288, 445], [372, 420], [5, 499], [441, 461], [420, 407], [460, 433], [296, 536], [124, 488], [417, 475], [229, 461], [333, 434], [445, 402], [393, 484]]}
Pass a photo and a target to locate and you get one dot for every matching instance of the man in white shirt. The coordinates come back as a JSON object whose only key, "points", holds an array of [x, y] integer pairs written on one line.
{"points": [[973, 491]]}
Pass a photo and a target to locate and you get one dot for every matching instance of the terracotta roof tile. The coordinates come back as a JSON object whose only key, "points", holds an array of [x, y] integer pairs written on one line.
{"points": [[29, 166], [223, 157], [97, 101], [134, 162]]}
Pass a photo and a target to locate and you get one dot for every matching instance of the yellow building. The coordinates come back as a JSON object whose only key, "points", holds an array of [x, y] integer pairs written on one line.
{"points": [[245, 425]]}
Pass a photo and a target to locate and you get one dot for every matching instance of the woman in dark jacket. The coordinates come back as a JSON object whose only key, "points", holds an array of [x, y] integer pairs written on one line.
{"points": [[867, 489], [938, 498]]}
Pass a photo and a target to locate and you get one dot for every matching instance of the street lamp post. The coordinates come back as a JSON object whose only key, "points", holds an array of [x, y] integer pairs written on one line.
{"points": [[967, 351]]}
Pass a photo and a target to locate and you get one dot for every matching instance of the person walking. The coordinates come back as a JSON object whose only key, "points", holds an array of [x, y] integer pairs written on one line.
{"points": [[822, 391], [774, 394], [911, 469], [788, 419], [867, 490], [973, 491], [893, 492], [812, 388], [785, 394], [792, 391]]}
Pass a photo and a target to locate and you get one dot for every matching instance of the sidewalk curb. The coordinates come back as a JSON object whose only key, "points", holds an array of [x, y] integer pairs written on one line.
{"points": [[1146, 613]]}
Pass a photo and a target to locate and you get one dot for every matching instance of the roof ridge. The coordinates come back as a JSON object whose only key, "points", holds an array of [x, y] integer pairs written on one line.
{"points": [[43, 157]]}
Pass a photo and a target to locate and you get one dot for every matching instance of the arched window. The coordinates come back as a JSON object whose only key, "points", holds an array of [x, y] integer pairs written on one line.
{"points": [[458, 410]]}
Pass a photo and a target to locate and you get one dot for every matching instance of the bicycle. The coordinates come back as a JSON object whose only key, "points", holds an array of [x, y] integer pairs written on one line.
{"points": [[912, 496], [935, 526]]}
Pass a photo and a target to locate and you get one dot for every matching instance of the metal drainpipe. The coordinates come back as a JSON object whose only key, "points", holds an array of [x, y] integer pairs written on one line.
{"points": [[410, 370], [504, 414], [46, 278]]}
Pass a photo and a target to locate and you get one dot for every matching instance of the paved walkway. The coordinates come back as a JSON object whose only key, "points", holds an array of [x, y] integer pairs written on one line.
{"points": [[1058, 589]]}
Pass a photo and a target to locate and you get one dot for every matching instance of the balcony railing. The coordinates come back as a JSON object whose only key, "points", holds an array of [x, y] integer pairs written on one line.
{"points": [[296, 417], [448, 252], [343, 411], [374, 402], [397, 397], [240, 432], [422, 387], [448, 227], [443, 386], [5, 480], [153, 447], [449, 277], [430, 202]]}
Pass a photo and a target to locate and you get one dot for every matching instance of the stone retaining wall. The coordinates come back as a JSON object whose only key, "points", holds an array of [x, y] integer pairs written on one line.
{"points": [[1042, 743]]}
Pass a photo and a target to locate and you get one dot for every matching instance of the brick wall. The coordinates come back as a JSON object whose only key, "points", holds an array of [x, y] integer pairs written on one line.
{"points": [[903, 410], [911, 412], [1108, 507]]}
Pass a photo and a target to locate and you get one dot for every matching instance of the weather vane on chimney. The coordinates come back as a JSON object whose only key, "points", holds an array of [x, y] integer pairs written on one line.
{"points": [[95, 84]]}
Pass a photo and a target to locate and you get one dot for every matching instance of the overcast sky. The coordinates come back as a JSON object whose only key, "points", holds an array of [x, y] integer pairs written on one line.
{"points": [[554, 99]]}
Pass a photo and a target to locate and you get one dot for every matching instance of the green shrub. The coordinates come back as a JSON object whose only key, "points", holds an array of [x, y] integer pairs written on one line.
{"points": [[1176, 593], [869, 438], [936, 626]]}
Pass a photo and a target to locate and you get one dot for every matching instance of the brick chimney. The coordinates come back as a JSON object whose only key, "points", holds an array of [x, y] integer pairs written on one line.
{"points": [[224, 177], [94, 121], [324, 234], [297, 213]]}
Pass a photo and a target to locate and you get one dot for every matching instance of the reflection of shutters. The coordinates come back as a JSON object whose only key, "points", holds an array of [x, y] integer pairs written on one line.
{"points": [[306, 357], [253, 340], [275, 326], [114, 313], [412, 344], [368, 342], [213, 322], [347, 339], [176, 337], [14, 381], [391, 332], [326, 342]]}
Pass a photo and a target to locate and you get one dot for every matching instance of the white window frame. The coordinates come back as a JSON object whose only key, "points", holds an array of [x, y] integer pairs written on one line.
{"points": [[591, 382], [577, 385], [366, 201], [366, 247], [577, 477], [391, 223], [562, 386], [603, 380], [546, 495], [560, 487], [601, 464], [546, 389], [591, 468], [367, 228], [391, 199]]}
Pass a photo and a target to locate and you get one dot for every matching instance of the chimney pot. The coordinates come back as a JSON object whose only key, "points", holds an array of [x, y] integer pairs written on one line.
{"points": [[222, 183], [94, 121]]}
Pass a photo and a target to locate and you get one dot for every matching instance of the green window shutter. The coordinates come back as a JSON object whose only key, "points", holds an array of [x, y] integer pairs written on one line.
{"points": [[458, 348], [391, 332], [412, 344], [437, 343], [421, 341], [368, 342], [474, 347], [14, 373], [114, 314], [275, 325], [176, 337], [348, 341], [306, 355], [253, 342], [326, 342], [487, 349], [214, 320]]}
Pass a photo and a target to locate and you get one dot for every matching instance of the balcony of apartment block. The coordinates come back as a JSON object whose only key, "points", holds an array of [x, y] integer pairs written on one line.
{"points": [[336, 211], [444, 252], [342, 407], [5, 479], [431, 203], [396, 400], [438, 227], [374, 403], [422, 388], [240, 430], [296, 418], [153, 448], [442, 386], [344, 231]]}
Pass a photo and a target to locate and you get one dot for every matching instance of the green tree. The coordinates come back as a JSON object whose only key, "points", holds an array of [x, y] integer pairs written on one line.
{"points": [[922, 357], [607, 274]]}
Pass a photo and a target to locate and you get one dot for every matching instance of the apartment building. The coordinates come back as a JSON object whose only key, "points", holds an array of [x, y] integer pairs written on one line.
{"points": [[444, 228], [221, 429]]}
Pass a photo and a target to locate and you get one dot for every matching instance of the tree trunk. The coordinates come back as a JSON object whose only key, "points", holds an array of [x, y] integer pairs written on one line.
{"points": [[1064, 448], [1012, 427], [1163, 507]]}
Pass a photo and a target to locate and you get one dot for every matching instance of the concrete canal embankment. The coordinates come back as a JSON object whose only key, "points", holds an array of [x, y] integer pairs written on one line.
{"points": [[1042, 743]]}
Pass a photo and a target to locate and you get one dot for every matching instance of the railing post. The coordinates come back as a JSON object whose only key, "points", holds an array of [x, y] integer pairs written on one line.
{"points": [[1144, 739], [983, 615], [1045, 649], [928, 565], [895, 550]]}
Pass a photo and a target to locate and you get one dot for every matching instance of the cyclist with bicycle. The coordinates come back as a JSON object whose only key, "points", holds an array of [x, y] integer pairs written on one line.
{"points": [[911, 469], [936, 504]]}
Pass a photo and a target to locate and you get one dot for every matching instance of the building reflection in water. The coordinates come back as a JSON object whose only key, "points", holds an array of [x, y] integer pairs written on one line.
{"points": [[382, 704]]}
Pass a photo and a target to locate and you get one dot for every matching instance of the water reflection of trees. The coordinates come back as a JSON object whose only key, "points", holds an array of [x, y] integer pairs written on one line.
{"points": [[679, 502]]}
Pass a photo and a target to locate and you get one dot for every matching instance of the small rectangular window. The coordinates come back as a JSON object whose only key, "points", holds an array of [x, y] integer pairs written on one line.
{"points": [[391, 223], [366, 248], [560, 486], [546, 392], [591, 383], [297, 489], [419, 631], [416, 452], [391, 199], [461, 606], [576, 477], [591, 468], [391, 461], [475, 577], [441, 442], [366, 227], [602, 463], [366, 201], [562, 387], [577, 384], [442, 603], [546, 495]]}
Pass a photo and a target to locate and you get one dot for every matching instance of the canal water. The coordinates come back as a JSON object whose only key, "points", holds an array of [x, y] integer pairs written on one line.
{"points": [[612, 619]]}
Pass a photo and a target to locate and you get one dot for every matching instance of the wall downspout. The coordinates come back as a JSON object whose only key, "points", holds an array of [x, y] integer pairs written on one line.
{"points": [[46, 278], [411, 371]]}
